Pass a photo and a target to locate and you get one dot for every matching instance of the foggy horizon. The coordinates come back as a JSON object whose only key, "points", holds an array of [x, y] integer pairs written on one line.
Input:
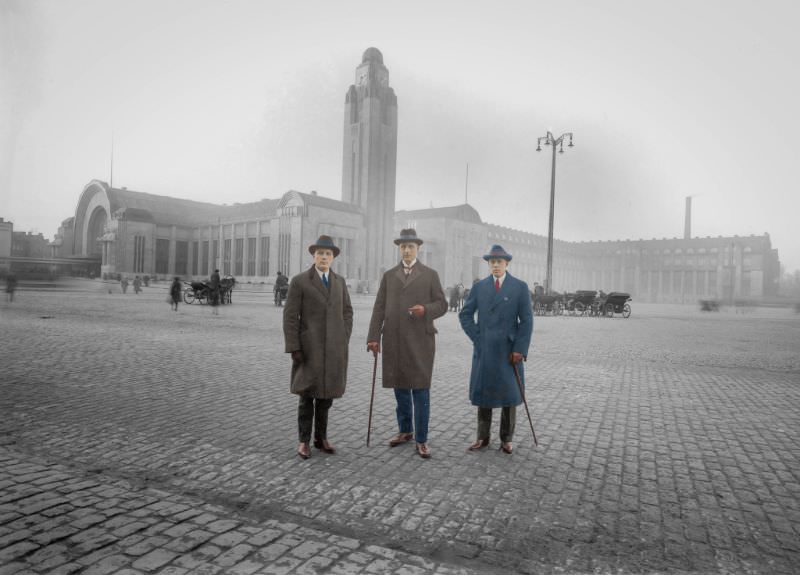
{"points": [[233, 102]]}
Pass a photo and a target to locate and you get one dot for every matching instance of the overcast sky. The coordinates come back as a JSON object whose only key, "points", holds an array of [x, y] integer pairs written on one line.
{"points": [[234, 101]]}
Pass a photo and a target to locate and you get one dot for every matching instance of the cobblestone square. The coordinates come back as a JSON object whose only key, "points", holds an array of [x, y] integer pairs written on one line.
{"points": [[140, 439]]}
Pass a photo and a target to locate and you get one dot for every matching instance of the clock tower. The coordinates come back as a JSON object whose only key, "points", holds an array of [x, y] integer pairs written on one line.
{"points": [[370, 161]]}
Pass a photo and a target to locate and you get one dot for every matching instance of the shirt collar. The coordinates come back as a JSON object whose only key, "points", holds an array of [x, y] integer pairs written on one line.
{"points": [[321, 273], [411, 265], [502, 278]]}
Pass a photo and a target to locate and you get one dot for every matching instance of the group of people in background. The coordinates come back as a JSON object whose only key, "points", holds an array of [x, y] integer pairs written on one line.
{"points": [[318, 321], [137, 284]]}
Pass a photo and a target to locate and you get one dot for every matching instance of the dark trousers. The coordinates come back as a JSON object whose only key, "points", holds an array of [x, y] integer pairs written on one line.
{"points": [[313, 411], [508, 420]]}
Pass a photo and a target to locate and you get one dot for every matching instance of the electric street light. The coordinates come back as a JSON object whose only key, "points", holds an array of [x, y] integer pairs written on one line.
{"points": [[550, 140]]}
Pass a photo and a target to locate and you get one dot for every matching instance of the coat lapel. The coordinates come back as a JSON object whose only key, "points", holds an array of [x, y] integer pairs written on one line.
{"points": [[400, 274], [504, 288], [416, 271], [317, 283]]}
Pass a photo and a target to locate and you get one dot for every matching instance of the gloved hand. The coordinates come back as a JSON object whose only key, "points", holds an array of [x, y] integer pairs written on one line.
{"points": [[515, 357], [297, 356], [374, 347]]}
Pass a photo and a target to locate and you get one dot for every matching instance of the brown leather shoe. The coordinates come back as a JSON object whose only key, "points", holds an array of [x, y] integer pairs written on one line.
{"points": [[324, 445], [478, 445], [304, 451], [423, 450], [400, 438], [507, 447]]}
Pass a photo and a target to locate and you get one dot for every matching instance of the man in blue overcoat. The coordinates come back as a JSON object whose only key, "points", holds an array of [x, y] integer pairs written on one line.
{"points": [[501, 335]]}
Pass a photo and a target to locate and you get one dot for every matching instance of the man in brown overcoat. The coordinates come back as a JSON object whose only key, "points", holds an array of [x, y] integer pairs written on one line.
{"points": [[409, 299], [317, 323]]}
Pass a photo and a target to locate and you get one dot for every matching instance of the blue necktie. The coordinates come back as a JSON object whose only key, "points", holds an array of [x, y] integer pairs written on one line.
{"points": [[325, 280]]}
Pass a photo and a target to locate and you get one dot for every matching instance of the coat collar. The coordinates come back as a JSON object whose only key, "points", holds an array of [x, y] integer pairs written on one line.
{"points": [[400, 273]]}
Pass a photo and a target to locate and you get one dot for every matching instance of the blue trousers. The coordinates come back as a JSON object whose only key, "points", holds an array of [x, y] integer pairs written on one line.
{"points": [[414, 404]]}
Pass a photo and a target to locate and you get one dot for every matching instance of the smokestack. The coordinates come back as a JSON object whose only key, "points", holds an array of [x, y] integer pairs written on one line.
{"points": [[687, 224]]}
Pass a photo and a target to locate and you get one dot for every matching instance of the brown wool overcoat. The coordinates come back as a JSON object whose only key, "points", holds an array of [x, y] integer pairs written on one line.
{"points": [[318, 321], [408, 343]]}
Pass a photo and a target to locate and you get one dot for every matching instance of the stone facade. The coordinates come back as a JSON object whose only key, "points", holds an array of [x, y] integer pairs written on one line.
{"points": [[676, 270]]}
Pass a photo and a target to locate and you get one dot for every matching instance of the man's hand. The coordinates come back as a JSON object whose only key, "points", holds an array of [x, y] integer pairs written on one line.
{"points": [[417, 310], [515, 357], [374, 347], [297, 356]]}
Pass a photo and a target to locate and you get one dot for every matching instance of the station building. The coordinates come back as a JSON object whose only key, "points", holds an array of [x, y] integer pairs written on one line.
{"points": [[130, 233]]}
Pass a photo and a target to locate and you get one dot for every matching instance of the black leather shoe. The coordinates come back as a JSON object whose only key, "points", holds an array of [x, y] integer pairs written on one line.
{"points": [[478, 445], [507, 447], [304, 451], [324, 445]]}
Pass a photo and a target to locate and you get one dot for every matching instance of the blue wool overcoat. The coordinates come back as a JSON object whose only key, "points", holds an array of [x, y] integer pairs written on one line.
{"points": [[504, 324]]}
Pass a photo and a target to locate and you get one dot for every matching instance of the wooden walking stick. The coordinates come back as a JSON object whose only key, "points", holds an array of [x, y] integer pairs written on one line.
{"points": [[522, 393], [372, 397]]}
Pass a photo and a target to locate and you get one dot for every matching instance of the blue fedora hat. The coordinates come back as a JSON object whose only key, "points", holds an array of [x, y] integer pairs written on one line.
{"points": [[407, 236], [324, 242], [497, 253]]}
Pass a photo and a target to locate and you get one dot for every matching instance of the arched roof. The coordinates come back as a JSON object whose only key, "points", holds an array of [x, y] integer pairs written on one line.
{"points": [[166, 210]]}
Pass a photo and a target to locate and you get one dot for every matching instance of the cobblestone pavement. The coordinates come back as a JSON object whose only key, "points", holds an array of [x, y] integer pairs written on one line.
{"points": [[668, 443]]}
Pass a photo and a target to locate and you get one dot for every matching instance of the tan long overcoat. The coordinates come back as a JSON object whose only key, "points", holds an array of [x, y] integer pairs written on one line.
{"points": [[408, 343], [318, 321]]}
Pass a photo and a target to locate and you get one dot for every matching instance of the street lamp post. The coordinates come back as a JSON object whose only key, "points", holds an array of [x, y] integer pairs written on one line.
{"points": [[550, 140]]}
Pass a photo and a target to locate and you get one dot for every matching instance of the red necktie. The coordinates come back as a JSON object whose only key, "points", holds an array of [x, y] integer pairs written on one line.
{"points": [[496, 285]]}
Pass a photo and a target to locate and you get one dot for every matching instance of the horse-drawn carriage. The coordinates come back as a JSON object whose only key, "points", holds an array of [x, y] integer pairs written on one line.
{"points": [[617, 302], [202, 292], [552, 303], [581, 302]]}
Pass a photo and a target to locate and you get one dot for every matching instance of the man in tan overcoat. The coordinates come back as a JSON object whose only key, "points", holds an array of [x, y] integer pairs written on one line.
{"points": [[317, 323], [410, 297]]}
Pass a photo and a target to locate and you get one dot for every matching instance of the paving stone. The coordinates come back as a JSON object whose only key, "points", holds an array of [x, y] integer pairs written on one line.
{"points": [[233, 555], [154, 560]]}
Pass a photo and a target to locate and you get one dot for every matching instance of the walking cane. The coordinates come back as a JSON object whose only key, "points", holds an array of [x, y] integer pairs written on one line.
{"points": [[522, 393], [372, 397]]}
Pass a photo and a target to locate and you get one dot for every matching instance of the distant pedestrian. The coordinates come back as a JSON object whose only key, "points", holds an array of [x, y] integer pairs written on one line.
{"points": [[317, 323], [11, 287], [501, 336], [124, 284], [213, 297], [137, 284], [175, 293], [281, 288]]}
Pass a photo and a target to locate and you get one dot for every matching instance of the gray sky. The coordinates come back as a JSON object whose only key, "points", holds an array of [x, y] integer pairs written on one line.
{"points": [[236, 101]]}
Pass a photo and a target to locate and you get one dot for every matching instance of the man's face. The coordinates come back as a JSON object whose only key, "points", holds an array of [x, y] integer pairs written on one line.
{"points": [[409, 251], [323, 259], [498, 266]]}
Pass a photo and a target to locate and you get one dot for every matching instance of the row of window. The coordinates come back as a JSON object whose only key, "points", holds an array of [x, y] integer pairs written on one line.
{"points": [[203, 258]]}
